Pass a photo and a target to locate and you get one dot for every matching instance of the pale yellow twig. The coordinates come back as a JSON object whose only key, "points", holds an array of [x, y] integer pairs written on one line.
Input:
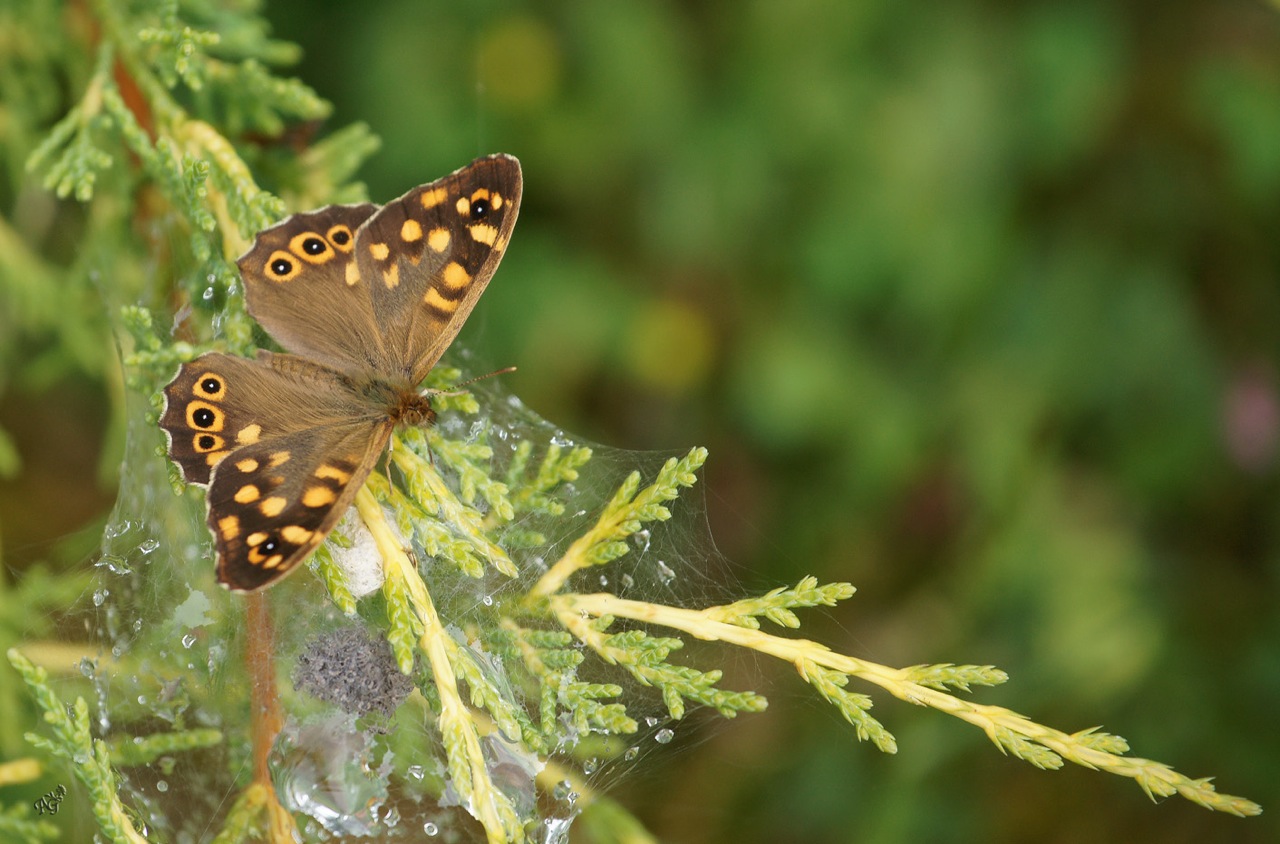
{"points": [[470, 775], [1155, 778]]}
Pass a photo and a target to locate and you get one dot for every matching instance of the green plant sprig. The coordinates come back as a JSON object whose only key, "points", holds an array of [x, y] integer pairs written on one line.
{"points": [[89, 758], [1015, 734]]}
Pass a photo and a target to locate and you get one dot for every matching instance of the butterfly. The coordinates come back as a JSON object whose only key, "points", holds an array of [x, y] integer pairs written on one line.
{"points": [[364, 300]]}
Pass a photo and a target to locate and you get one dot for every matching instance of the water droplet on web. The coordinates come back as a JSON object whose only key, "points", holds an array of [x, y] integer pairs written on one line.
{"points": [[666, 574], [664, 736], [627, 581], [431, 829], [559, 438], [87, 667], [391, 818], [642, 539], [590, 766], [100, 597], [417, 772], [631, 754], [562, 790], [162, 786], [604, 581], [208, 294], [188, 640], [149, 546], [487, 600], [650, 721]]}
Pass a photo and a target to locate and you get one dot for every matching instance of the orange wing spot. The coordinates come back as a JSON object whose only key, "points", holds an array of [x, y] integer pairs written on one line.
{"points": [[281, 267], [435, 300], [410, 231], [327, 471], [249, 434], [432, 198], [479, 193], [481, 233], [257, 538], [204, 417], [352, 274], [219, 391], [205, 443], [454, 276], [496, 201], [463, 205], [272, 507], [340, 237], [311, 247], [247, 494], [278, 458], [438, 240], [229, 527], [295, 534], [214, 458], [247, 465], [379, 251], [391, 278], [273, 561], [319, 496], [500, 244]]}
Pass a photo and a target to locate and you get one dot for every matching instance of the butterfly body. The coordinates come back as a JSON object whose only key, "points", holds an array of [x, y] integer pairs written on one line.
{"points": [[365, 300]]}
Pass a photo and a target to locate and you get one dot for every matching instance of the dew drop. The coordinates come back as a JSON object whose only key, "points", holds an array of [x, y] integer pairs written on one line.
{"points": [[149, 546], [162, 786], [431, 829], [100, 597], [417, 772], [631, 754], [664, 736], [590, 766], [666, 574], [487, 600], [627, 581], [642, 539], [188, 640]]}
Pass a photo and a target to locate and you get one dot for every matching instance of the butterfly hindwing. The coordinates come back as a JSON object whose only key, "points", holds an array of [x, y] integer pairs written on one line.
{"points": [[272, 503], [218, 403], [427, 256], [302, 286]]}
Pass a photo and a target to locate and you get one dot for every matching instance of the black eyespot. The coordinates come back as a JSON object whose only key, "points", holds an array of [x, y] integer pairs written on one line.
{"points": [[203, 417], [281, 266], [479, 209], [211, 385], [270, 546], [206, 442], [340, 237], [313, 246]]}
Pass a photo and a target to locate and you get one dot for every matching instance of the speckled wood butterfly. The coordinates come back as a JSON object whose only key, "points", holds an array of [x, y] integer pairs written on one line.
{"points": [[366, 299]]}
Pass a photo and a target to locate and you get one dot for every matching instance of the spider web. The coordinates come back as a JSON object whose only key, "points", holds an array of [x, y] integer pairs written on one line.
{"points": [[173, 644]]}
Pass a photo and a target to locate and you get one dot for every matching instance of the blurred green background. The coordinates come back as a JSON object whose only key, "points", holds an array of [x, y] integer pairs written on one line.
{"points": [[975, 305]]}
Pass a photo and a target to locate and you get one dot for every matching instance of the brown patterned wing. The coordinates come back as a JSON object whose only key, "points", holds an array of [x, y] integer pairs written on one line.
{"points": [[427, 256], [302, 285], [219, 403], [272, 503]]}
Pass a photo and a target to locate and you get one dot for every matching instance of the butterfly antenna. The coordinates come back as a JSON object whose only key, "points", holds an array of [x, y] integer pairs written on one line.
{"points": [[457, 391]]}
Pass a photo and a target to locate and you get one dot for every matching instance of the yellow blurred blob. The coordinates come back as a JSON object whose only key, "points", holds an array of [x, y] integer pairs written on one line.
{"points": [[520, 63], [669, 346]]}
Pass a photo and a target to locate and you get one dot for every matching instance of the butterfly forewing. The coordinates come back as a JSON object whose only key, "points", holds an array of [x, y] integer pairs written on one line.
{"points": [[271, 504], [428, 256]]}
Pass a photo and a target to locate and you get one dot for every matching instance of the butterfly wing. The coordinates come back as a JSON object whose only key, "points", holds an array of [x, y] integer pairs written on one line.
{"points": [[272, 503], [283, 443], [427, 256], [302, 285]]}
